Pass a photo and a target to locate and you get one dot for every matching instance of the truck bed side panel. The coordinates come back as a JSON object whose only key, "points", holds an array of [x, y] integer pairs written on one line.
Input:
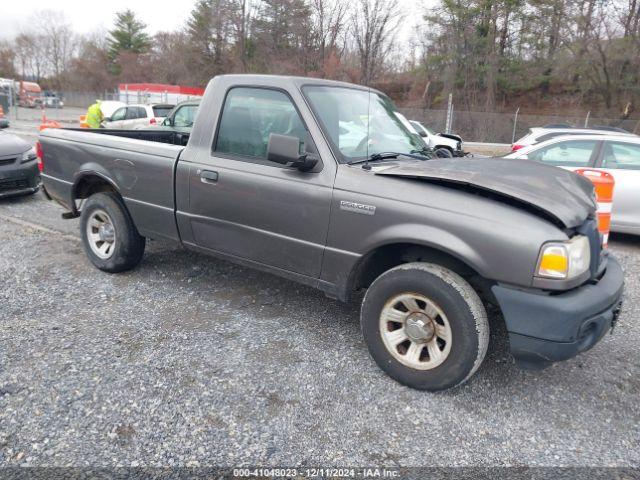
{"points": [[141, 171]]}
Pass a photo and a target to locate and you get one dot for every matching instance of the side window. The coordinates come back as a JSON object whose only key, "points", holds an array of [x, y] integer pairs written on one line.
{"points": [[131, 113], [250, 116], [118, 114], [570, 153], [621, 155], [184, 116], [142, 112]]}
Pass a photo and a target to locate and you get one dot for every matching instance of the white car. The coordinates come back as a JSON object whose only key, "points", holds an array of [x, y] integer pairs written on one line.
{"points": [[444, 144], [616, 154], [542, 134], [136, 116], [109, 106]]}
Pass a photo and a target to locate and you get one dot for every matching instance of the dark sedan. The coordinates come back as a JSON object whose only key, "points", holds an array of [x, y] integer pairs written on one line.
{"points": [[19, 166]]}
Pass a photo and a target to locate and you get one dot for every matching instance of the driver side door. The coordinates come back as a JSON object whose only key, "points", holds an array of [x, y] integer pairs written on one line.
{"points": [[245, 206], [116, 119]]}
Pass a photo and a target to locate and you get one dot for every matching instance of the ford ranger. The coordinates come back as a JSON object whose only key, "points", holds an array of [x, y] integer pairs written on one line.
{"points": [[327, 184]]}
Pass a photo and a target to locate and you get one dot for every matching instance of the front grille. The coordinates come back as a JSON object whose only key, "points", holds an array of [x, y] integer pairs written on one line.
{"points": [[13, 184], [590, 230], [7, 161]]}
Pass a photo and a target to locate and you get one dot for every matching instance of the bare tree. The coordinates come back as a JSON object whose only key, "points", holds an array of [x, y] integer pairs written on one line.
{"points": [[328, 20], [7, 60], [374, 24], [90, 68], [282, 34], [58, 42], [29, 49], [241, 14]]}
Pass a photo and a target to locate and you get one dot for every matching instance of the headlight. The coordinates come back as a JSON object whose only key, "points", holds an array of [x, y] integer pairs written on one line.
{"points": [[29, 155], [565, 260]]}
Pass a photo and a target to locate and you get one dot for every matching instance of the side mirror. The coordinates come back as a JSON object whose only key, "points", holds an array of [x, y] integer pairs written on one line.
{"points": [[166, 122], [3, 124], [285, 149], [106, 119]]}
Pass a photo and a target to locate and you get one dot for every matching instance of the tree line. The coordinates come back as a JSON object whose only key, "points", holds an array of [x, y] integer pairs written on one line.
{"points": [[491, 55]]}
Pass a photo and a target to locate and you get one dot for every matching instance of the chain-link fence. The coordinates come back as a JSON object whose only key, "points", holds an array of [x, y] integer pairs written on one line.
{"points": [[499, 127], [472, 126], [5, 102], [84, 99]]}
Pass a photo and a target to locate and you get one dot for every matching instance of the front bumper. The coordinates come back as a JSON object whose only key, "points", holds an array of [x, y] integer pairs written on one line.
{"points": [[545, 328], [19, 179]]}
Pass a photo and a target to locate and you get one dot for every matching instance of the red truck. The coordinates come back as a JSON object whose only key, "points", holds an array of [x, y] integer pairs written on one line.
{"points": [[30, 95]]}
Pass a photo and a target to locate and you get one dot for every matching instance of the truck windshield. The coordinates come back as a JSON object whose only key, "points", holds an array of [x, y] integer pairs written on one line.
{"points": [[361, 123]]}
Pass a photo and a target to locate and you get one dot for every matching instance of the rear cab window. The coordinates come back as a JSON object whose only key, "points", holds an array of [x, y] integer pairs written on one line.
{"points": [[162, 110]]}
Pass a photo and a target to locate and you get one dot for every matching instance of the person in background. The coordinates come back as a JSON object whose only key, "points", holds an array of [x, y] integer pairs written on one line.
{"points": [[95, 115]]}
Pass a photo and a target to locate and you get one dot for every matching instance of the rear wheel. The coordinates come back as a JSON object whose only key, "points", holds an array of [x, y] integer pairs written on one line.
{"points": [[110, 238], [425, 326]]}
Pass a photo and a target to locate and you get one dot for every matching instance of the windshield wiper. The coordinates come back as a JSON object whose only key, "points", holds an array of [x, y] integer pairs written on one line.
{"points": [[425, 152], [376, 157]]}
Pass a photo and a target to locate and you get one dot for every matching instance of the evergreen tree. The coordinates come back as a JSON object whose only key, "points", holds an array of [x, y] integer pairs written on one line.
{"points": [[128, 35]]}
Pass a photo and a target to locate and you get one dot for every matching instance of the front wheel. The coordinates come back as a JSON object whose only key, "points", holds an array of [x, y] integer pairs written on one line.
{"points": [[425, 326], [443, 153], [110, 238]]}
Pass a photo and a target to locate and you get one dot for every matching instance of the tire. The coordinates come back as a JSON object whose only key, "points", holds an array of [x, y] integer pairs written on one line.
{"points": [[127, 245], [456, 325], [442, 152]]}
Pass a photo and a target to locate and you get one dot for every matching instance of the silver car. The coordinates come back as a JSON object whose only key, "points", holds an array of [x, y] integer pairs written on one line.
{"points": [[537, 135], [618, 155]]}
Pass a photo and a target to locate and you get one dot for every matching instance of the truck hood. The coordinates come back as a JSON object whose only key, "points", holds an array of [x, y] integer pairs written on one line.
{"points": [[450, 136], [565, 196]]}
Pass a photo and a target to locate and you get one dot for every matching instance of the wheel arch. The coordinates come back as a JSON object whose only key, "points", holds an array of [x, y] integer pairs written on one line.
{"points": [[448, 147], [389, 255], [88, 182]]}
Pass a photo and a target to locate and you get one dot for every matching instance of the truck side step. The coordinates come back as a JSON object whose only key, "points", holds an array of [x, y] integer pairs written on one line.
{"points": [[70, 215]]}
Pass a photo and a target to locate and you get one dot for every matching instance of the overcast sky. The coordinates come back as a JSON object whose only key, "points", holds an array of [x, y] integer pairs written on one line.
{"points": [[89, 15]]}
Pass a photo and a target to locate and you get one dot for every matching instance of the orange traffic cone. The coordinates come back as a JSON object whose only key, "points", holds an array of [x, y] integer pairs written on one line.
{"points": [[604, 183], [49, 124]]}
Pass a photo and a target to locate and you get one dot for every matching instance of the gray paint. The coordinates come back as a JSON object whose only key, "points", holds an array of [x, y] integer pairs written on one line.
{"points": [[563, 195], [12, 145], [291, 223]]}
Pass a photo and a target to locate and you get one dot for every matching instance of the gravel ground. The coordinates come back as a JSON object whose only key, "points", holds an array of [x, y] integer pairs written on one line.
{"points": [[193, 361]]}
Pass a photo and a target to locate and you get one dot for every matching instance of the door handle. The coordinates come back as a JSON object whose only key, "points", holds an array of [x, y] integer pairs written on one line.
{"points": [[207, 176]]}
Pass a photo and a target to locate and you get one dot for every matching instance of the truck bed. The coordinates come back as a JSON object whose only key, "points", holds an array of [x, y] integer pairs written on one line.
{"points": [[140, 164], [152, 135]]}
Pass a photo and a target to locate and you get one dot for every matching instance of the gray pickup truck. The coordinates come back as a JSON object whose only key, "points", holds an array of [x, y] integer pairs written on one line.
{"points": [[327, 184]]}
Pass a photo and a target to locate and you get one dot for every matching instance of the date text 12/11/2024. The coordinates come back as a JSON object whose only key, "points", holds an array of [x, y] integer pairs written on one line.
{"points": [[317, 472]]}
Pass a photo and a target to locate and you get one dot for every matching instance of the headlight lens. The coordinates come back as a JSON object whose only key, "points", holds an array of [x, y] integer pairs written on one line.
{"points": [[565, 260], [29, 155]]}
